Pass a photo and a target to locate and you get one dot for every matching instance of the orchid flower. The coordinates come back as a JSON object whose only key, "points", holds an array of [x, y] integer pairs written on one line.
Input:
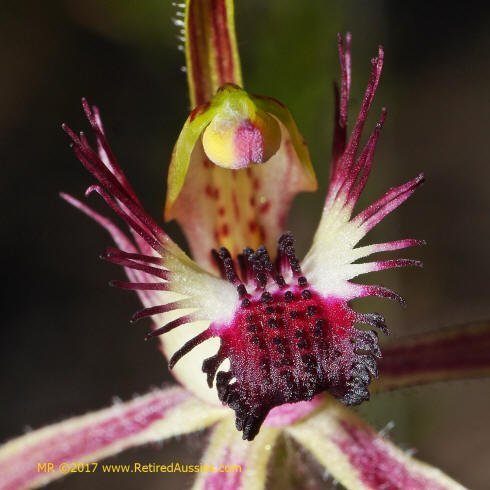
{"points": [[263, 346]]}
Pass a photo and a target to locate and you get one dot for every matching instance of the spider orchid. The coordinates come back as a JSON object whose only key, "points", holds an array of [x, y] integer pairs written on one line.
{"points": [[264, 346]]}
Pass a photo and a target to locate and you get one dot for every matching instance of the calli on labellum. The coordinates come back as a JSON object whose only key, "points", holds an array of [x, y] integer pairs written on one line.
{"points": [[246, 325]]}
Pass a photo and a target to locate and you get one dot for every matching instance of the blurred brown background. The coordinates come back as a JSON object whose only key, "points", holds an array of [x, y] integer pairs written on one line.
{"points": [[66, 346]]}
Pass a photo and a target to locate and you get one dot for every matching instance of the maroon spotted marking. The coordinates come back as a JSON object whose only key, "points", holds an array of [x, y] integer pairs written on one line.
{"points": [[212, 192], [236, 206], [225, 230], [252, 226], [264, 207], [207, 163], [262, 233]]}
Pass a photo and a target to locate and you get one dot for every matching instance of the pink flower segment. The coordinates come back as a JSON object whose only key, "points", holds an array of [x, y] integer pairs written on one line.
{"points": [[365, 450], [117, 426], [218, 481], [250, 144], [284, 325]]}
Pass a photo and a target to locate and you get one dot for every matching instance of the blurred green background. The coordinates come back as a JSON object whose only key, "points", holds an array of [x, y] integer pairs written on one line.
{"points": [[66, 346]]}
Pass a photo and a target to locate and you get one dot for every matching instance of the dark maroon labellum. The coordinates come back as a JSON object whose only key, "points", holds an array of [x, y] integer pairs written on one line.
{"points": [[286, 342]]}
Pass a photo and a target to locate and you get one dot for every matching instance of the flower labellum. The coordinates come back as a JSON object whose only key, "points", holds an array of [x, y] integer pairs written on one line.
{"points": [[286, 341]]}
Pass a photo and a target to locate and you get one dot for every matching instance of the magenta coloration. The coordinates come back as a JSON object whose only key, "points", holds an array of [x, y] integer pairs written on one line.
{"points": [[249, 144], [113, 185], [286, 342], [376, 467], [72, 445], [290, 413], [225, 480]]}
